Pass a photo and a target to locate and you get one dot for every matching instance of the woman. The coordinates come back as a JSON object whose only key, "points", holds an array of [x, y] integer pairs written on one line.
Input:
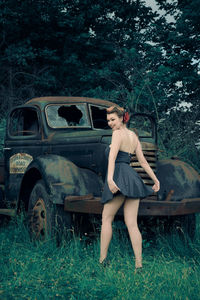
{"points": [[123, 184]]}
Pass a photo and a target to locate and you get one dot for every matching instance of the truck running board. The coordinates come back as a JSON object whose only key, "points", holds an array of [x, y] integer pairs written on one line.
{"points": [[8, 212], [148, 206]]}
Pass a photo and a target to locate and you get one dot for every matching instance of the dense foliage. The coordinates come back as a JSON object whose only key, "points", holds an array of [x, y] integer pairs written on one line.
{"points": [[62, 47], [119, 50]]}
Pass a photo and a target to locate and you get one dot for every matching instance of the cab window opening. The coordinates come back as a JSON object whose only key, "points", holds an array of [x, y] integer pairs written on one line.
{"points": [[65, 116]]}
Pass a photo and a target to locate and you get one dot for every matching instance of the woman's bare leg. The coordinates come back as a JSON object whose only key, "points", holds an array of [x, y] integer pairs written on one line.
{"points": [[130, 217], [108, 214]]}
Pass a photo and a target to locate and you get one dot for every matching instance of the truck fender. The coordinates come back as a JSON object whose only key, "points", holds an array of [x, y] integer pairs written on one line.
{"points": [[63, 178], [177, 179]]}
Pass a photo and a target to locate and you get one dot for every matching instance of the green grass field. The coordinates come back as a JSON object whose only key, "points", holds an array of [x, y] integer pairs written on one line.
{"points": [[43, 270]]}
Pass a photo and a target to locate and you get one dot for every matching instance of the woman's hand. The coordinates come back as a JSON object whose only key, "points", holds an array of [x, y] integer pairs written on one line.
{"points": [[112, 186], [156, 186]]}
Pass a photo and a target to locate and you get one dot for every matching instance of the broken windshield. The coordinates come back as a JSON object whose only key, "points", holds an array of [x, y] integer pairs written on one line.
{"points": [[64, 116]]}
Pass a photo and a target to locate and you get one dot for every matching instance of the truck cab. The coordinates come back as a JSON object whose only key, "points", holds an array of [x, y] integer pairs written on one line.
{"points": [[54, 163]]}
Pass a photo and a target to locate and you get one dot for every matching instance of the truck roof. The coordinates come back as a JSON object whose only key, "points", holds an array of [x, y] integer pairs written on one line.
{"points": [[43, 101]]}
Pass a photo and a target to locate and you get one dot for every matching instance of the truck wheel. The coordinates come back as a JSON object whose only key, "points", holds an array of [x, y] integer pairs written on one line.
{"points": [[44, 217]]}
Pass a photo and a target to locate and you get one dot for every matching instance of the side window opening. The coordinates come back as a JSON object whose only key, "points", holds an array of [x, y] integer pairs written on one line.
{"points": [[64, 116], [24, 122], [71, 114], [99, 117]]}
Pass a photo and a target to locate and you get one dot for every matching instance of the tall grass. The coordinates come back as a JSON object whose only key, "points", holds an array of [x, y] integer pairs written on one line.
{"points": [[42, 270]]}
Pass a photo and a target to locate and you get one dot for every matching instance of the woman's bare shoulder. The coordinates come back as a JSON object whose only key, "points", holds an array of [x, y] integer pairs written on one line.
{"points": [[117, 133], [133, 134]]}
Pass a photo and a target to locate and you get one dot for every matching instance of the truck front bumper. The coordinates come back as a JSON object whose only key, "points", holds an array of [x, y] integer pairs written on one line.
{"points": [[148, 207]]}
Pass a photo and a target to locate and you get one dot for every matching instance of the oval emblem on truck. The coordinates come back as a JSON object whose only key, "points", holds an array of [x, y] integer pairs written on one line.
{"points": [[19, 162]]}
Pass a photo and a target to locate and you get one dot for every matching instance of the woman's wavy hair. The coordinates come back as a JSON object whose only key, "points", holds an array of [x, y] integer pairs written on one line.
{"points": [[120, 111], [115, 109]]}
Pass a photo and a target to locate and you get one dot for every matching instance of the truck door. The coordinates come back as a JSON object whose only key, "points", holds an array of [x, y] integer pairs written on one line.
{"points": [[22, 145], [73, 135]]}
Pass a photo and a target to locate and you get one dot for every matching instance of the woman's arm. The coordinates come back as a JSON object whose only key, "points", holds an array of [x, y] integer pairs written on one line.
{"points": [[144, 164], [114, 149]]}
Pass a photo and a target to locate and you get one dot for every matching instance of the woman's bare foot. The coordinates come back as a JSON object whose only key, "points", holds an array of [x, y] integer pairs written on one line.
{"points": [[138, 264], [138, 270], [105, 262]]}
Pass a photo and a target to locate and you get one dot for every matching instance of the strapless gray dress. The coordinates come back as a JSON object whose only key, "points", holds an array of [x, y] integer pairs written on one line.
{"points": [[126, 178]]}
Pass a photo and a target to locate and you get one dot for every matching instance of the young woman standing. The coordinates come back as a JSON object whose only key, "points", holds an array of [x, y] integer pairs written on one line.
{"points": [[123, 184]]}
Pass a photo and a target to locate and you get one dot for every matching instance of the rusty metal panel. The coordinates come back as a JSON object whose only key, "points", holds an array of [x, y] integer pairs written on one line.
{"points": [[62, 177], [75, 204], [169, 208], [150, 153], [148, 207], [178, 176], [43, 101]]}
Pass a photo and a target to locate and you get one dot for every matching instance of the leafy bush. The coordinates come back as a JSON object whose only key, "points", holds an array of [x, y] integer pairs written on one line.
{"points": [[177, 136]]}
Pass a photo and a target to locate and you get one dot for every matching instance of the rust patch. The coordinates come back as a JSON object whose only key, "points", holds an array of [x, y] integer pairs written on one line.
{"points": [[169, 195], [66, 178], [149, 151], [38, 221], [148, 207], [178, 176], [148, 146], [42, 101]]}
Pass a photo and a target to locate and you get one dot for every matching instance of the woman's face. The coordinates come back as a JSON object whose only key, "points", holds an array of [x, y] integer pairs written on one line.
{"points": [[114, 121]]}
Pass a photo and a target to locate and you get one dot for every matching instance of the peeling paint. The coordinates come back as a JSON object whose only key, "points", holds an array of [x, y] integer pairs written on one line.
{"points": [[178, 176]]}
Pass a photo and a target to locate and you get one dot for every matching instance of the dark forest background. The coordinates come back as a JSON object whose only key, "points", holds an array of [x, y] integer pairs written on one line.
{"points": [[119, 50]]}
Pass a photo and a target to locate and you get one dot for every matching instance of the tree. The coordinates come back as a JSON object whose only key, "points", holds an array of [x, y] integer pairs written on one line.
{"points": [[63, 47], [181, 45], [119, 50]]}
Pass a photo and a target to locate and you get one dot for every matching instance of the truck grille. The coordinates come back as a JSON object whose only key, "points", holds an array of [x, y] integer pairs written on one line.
{"points": [[150, 152]]}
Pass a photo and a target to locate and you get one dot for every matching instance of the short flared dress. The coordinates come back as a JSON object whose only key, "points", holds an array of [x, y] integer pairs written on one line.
{"points": [[126, 178]]}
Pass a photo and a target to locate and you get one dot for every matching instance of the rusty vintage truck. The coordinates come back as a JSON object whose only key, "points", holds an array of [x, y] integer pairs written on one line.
{"points": [[54, 165]]}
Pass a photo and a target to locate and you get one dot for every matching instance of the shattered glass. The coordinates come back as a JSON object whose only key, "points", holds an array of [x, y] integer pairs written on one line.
{"points": [[64, 116]]}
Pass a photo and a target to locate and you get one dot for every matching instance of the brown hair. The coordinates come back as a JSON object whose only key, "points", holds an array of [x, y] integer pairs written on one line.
{"points": [[115, 109]]}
